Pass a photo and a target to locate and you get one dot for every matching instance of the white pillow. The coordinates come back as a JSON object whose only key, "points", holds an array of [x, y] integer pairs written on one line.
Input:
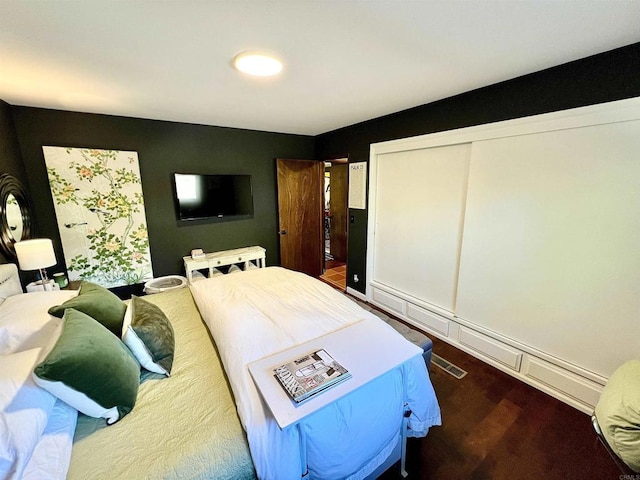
{"points": [[51, 457], [215, 273], [9, 281], [25, 322], [197, 276], [24, 411]]}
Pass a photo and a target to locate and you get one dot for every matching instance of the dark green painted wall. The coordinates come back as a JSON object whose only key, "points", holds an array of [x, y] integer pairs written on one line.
{"points": [[10, 159], [164, 148], [601, 78]]}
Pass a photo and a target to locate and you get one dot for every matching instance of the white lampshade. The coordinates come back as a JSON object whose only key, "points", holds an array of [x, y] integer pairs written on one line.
{"points": [[35, 254]]}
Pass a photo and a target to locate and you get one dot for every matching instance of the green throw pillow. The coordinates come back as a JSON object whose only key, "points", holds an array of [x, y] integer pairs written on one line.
{"points": [[90, 369], [149, 335], [97, 302]]}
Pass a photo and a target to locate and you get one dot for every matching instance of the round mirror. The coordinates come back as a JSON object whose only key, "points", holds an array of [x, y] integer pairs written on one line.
{"points": [[15, 213], [14, 218]]}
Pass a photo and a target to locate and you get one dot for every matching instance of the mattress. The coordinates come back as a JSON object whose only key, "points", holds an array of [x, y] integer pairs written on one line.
{"points": [[183, 426]]}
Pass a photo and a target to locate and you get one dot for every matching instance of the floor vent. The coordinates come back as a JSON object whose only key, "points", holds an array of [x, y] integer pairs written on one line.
{"points": [[447, 366]]}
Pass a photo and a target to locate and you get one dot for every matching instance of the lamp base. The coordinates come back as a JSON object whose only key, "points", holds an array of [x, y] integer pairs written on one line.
{"points": [[40, 286]]}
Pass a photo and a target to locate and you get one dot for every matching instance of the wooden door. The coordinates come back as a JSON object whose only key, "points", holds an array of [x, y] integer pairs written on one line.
{"points": [[300, 213], [339, 211]]}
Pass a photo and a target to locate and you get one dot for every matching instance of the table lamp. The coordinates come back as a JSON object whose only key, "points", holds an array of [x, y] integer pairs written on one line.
{"points": [[36, 254]]}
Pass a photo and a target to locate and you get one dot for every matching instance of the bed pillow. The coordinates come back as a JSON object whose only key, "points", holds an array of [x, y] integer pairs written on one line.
{"points": [[24, 411], [90, 369], [25, 323], [97, 302], [149, 335], [196, 276], [9, 281]]}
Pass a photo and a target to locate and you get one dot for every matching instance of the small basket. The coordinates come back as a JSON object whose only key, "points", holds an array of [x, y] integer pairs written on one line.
{"points": [[163, 284]]}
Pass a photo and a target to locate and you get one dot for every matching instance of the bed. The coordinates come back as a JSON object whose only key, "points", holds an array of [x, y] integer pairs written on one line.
{"points": [[262, 311], [183, 426], [206, 421]]}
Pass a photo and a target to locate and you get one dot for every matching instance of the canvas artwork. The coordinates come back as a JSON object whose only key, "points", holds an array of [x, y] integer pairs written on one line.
{"points": [[100, 213]]}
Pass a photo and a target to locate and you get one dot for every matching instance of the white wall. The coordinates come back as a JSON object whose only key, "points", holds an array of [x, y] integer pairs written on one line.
{"points": [[531, 258]]}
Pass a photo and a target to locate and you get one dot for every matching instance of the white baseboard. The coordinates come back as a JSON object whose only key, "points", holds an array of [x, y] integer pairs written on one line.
{"points": [[576, 386], [357, 294]]}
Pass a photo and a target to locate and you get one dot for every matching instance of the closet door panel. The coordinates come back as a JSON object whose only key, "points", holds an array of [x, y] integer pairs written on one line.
{"points": [[551, 246], [420, 204]]}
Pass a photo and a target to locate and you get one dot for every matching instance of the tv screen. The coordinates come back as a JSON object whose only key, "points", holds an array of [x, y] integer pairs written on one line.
{"points": [[212, 196]]}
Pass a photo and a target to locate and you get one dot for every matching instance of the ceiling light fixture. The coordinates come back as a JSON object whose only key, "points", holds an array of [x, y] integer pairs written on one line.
{"points": [[258, 64]]}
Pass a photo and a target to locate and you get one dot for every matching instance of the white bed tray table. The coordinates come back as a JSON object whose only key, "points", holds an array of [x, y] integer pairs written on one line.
{"points": [[365, 349]]}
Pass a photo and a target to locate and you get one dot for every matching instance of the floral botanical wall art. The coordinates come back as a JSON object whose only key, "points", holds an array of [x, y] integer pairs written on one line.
{"points": [[100, 213]]}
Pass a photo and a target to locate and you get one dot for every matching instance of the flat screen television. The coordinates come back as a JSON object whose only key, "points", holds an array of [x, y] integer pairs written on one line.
{"points": [[222, 197]]}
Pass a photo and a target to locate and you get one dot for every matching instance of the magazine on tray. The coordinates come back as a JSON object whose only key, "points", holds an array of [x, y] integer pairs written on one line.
{"points": [[310, 374]]}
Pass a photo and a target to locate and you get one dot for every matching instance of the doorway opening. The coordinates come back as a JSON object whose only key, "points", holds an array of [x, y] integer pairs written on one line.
{"points": [[335, 219]]}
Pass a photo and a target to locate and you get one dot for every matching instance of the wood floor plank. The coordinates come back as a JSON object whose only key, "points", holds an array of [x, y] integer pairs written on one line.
{"points": [[488, 433], [496, 427]]}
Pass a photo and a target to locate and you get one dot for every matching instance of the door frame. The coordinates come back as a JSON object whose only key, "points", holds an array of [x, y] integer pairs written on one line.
{"points": [[340, 159]]}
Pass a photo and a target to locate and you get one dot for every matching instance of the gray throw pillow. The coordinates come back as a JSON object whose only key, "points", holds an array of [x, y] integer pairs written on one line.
{"points": [[149, 335]]}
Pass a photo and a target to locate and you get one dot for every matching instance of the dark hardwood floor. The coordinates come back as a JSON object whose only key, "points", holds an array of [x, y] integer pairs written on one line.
{"points": [[496, 427]]}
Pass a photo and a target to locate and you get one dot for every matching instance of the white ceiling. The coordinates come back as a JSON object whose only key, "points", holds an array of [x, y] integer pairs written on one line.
{"points": [[344, 61]]}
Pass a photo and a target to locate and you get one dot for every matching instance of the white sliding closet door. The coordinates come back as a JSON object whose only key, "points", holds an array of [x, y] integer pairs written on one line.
{"points": [[551, 249], [420, 196]]}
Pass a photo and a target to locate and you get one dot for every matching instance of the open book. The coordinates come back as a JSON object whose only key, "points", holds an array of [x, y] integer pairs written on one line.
{"points": [[310, 374]]}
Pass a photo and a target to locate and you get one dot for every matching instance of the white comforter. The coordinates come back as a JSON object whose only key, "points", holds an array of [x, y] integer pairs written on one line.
{"points": [[259, 312]]}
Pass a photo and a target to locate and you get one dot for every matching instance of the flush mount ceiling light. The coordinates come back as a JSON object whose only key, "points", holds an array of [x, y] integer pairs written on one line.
{"points": [[258, 64]]}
